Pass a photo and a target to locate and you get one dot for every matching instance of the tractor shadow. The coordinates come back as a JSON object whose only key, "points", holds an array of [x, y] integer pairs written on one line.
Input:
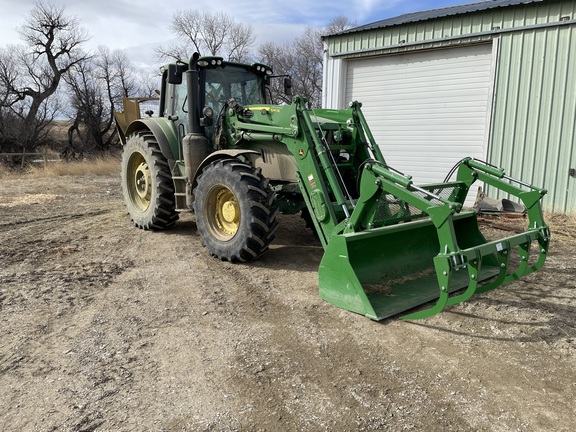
{"points": [[295, 247], [541, 308]]}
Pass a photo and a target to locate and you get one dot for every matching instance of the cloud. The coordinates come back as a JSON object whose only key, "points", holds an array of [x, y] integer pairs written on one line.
{"points": [[137, 27]]}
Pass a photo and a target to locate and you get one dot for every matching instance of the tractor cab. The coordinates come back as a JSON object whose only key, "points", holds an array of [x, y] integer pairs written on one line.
{"points": [[218, 82]]}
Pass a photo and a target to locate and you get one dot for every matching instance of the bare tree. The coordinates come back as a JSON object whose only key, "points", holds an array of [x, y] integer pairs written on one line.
{"points": [[338, 24], [148, 83], [302, 60], [299, 60], [118, 70], [32, 74], [239, 43], [281, 59], [208, 34], [215, 30], [98, 87]]}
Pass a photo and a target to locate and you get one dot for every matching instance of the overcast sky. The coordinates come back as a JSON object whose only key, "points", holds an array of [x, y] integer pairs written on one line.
{"points": [[138, 26]]}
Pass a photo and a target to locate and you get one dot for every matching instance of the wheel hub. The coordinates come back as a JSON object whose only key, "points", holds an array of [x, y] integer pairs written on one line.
{"points": [[230, 212], [142, 180], [227, 216]]}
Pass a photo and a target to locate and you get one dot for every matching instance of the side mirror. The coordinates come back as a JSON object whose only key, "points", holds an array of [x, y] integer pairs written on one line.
{"points": [[288, 86], [175, 73]]}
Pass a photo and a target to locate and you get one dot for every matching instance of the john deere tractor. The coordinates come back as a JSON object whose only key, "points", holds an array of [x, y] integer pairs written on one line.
{"points": [[218, 149]]}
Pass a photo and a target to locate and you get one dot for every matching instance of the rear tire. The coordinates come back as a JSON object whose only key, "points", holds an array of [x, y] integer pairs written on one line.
{"points": [[235, 210], [147, 183]]}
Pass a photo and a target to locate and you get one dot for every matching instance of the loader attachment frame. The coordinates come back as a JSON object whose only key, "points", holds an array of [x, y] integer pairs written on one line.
{"points": [[383, 271]]}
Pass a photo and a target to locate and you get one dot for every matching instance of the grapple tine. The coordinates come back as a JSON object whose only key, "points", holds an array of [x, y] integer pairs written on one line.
{"points": [[443, 274], [524, 254], [543, 242], [473, 267], [503, 257], [426, 313], [474, 275]]}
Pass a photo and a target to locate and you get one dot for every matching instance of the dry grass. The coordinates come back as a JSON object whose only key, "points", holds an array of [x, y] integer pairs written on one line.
{"points": [[561, 225], [93, 166]]}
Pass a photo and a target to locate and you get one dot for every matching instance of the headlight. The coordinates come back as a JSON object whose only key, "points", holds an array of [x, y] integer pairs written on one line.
{"points": [[207, 111]]}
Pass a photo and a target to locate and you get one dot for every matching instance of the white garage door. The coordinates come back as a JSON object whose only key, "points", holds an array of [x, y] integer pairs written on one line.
{"points": [[426, 110]]}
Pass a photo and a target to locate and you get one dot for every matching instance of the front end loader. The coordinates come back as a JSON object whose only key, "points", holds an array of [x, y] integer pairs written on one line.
{"points": [[390, 246]]}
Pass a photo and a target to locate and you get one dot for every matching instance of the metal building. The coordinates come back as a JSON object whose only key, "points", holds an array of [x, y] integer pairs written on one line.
{"points": [[494, 79]]}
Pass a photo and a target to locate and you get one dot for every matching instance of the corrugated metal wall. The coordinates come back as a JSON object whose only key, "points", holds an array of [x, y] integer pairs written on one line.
{"points": [[533, 123], [534, 115], [453, 30]]}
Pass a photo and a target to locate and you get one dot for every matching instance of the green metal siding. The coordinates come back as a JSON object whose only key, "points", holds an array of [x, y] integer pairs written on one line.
{"points": [[534, 114], [533, 120], [454, 30]]}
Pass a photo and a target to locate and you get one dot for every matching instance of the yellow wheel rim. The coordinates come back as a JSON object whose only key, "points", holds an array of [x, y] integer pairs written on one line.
{"points": [[222, 213], [139, 182]]}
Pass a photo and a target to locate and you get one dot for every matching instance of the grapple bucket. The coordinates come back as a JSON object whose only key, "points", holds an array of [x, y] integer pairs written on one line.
{"points": [[383, 271]]}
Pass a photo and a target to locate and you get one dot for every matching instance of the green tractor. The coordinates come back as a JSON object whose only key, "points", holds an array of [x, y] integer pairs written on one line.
{"points": [[218, 149]]}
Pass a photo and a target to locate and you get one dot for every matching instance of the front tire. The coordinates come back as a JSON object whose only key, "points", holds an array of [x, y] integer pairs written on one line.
{"points": [[235, 210], [147, 183]]}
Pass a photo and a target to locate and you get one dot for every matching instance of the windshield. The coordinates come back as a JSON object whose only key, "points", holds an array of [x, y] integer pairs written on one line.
{"points": [[235, 82]]}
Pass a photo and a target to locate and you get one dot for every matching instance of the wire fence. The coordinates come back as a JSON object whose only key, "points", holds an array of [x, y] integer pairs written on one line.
{"points": [[21, 158]]}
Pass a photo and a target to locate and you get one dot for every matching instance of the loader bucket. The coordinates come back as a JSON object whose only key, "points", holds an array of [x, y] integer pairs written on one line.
{"points": [[406, 245], [385, 271]]}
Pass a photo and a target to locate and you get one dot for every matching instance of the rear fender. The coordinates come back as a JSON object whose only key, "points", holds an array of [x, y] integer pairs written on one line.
{"points": [[164, 132]]}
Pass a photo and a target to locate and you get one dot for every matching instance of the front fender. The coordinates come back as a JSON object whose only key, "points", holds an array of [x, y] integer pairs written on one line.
{"points": [[221, 154]]}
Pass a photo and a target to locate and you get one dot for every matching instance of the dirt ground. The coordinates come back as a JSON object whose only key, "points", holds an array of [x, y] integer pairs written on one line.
{"points": [[108, 328]]}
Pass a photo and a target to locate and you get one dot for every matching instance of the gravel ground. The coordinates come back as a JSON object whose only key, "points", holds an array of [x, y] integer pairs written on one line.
{"points": [[109, 328]]}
